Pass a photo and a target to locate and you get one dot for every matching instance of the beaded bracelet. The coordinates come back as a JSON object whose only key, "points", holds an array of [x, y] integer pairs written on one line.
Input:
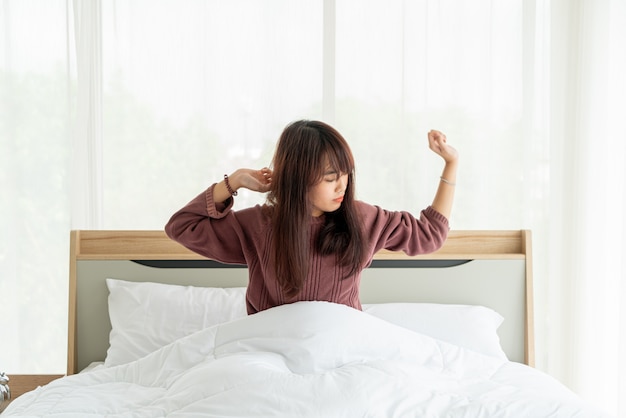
{"points": [[230, 189]]}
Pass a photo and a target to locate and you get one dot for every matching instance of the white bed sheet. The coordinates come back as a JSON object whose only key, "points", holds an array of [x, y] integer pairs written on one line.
{"points": [[309, 359]]}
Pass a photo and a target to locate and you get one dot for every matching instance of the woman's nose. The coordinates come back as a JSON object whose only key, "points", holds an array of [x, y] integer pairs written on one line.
{"points": [[341, 184]]}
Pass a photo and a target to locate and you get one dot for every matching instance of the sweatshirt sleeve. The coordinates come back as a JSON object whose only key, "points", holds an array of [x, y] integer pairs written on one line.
{"points": [[401, 231], [208, 228]]}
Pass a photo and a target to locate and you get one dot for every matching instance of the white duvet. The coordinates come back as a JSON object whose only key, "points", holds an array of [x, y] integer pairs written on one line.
{"points": [[309, 359]]}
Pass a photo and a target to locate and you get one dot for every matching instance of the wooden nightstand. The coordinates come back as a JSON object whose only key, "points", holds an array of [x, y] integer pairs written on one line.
{"points": [[22, 383]]}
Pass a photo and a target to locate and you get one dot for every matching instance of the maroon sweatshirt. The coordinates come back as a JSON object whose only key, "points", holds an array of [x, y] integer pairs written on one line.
{"points": [[214, 230]]}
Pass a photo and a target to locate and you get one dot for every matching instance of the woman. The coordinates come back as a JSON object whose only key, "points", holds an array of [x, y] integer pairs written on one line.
{"points": [[312, 239]]}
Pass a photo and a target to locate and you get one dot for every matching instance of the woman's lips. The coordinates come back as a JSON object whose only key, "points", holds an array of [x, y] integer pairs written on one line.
{"points": [[338, 200]]}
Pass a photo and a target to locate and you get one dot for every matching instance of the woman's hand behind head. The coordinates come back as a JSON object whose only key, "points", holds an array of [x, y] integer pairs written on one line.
{"points": [[255, 180]]}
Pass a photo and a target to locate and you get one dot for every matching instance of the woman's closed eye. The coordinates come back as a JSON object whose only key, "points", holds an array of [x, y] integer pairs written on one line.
{"points": [[331, 176]]}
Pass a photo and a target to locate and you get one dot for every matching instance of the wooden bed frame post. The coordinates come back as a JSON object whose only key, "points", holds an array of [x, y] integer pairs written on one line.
{"points": [[530, 321], [71, 328]]}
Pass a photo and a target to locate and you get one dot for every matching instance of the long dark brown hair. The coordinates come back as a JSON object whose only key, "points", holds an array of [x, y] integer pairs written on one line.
{"points": [[304, 151]]}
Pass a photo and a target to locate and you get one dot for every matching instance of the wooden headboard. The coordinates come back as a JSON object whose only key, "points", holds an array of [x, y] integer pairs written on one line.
{"points": [[489, 268]]}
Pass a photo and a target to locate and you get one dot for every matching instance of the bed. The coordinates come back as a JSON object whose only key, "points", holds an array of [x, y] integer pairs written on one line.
{"points": [[156, 330]]}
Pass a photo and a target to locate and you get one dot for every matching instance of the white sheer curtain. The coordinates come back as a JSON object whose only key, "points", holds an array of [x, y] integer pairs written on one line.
{"points": [[36, 102], [119, 112], [586, 287], [87, 157]]}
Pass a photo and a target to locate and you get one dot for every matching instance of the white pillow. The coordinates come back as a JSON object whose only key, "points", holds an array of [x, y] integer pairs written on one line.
{"points": [[147, 316], [468, 326]]}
